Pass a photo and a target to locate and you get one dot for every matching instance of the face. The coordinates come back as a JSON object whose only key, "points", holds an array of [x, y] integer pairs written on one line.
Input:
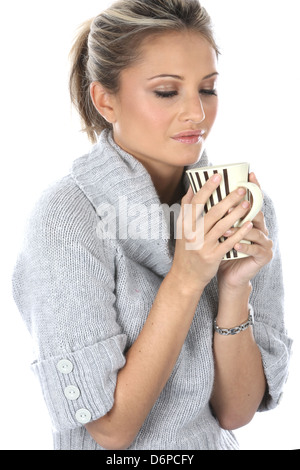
{"points": [[167, 102]]}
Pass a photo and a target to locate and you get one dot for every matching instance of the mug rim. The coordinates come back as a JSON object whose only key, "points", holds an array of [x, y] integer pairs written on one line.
{"points": [[216, 167]]}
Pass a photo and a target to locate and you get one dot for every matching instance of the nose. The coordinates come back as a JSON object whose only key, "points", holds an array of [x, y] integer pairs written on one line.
{"points": [[193, 110]]}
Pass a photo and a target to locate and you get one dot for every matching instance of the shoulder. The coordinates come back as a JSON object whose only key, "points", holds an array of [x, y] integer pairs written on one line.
{"points": [[63, 196], [62, 208]]}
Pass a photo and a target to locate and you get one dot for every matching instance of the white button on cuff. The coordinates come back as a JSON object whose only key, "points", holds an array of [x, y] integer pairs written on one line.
{"points": [[72, 392], [83, 416], [64, 366]]}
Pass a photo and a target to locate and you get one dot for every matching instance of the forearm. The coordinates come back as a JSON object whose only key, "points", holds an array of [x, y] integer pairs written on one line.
{"points": [[239, 383], [149, 364]]}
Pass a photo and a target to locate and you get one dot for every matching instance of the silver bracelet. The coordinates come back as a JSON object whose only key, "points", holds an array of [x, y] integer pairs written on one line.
{"points": [[236, 329]]}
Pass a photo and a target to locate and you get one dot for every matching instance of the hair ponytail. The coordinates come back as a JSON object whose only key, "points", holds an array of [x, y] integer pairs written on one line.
{"points": [[79, 85]]}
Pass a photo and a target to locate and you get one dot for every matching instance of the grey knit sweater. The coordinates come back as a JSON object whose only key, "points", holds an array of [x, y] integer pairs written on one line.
{"points": [[85, 297]]}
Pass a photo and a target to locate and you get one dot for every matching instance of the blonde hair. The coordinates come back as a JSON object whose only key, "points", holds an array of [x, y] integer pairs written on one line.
{"points": [[109, 43]]}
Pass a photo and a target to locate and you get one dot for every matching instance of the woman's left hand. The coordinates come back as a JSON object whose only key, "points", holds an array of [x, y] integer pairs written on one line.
{"points": [[237, 273]]}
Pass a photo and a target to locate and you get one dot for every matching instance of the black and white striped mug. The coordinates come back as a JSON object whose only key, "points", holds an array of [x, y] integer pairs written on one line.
{"points": [[234, 175]]}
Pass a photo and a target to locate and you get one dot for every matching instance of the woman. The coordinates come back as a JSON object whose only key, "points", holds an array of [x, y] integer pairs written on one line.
{"points": [[121, 313]]}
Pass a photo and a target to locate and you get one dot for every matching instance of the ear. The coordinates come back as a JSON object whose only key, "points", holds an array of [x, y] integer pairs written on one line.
{"points": [[103, 101]]}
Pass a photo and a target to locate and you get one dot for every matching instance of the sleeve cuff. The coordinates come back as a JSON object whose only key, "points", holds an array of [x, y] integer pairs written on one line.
{"points": [[79, 386], [275, 348]]}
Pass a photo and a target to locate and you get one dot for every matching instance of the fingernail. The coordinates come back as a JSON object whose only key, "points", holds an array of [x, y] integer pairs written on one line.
{"points": [[242, 191], [228, 233], [217, 178], [246, 204]]}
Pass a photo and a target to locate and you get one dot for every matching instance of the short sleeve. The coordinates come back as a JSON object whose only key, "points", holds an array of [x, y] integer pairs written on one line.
{"points": [[267, 303], [64, 288]]}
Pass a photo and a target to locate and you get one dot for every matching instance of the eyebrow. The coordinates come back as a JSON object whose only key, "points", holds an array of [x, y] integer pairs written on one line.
{"points": [[178, 77]]}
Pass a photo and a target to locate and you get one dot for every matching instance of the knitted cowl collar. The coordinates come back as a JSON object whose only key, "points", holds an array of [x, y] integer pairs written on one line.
{"points": [[119, 185]]}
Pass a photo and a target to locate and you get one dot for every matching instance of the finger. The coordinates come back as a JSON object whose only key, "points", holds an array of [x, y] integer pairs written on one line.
{"points": [[225, 223], [260, 223], [263, 253], [236, 238], [203, 195], [230, 232], [259, 219], [253, 179], [230, 210], [258, 237], [187, 198], [255, 236]]}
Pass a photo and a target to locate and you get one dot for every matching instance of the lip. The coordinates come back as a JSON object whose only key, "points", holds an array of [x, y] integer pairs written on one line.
{"points": [[189, 137]]}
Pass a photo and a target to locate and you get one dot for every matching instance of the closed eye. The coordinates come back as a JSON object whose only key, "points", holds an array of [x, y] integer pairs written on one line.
{"points": [[166, 94], [172, 93], [208, 92]]}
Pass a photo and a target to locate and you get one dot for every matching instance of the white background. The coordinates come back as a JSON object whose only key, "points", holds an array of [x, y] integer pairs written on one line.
{"points": [[258, 122]]}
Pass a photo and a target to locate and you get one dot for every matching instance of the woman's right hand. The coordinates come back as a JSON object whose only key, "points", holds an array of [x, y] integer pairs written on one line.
{"points": [[198, 251]]}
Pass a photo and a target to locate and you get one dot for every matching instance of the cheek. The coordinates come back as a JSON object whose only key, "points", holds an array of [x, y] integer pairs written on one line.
{"points": [[153, 117], [149, 110], [138, 110], [159, 117]]}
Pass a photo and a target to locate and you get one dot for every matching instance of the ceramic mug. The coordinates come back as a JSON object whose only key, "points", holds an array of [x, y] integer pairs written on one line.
{"points": [[234, 175]]}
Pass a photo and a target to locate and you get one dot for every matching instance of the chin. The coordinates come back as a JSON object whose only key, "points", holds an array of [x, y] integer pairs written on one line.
{"points": [[195, 158]]}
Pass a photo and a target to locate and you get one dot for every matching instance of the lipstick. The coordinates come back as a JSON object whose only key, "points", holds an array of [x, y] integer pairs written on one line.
{"points": [[189, 137]]}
